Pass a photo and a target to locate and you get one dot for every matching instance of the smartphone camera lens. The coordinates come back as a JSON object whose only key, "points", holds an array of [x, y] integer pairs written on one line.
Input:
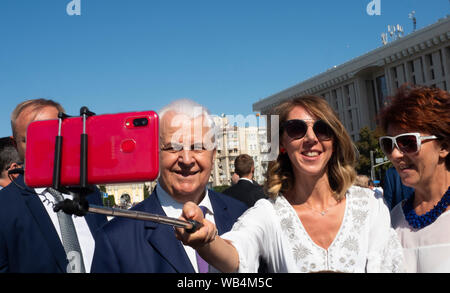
{"points": [[139, 122]]}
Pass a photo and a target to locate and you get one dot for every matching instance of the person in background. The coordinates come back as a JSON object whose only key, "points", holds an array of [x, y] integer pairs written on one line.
{"points": [[187, 150], [9, 160], [394, 190], [417, 142], [234, 179], [245, 190], [362, 181], [33, 238], [315, 220], [378, 190]]}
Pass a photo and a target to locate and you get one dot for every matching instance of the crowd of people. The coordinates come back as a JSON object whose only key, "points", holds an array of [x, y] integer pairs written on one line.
{"points": [[313, 214]]}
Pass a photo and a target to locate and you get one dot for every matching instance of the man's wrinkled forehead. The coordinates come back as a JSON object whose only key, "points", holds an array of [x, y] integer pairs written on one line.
{"points": [[176, 127]]}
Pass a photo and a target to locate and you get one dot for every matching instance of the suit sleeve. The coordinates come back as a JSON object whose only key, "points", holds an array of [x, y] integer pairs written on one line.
{"points": [[105, 259], [387, 190], [4, 268]]}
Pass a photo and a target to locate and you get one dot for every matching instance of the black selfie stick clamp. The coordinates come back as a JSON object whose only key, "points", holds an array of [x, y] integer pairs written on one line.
{"points": [[79, 205]]}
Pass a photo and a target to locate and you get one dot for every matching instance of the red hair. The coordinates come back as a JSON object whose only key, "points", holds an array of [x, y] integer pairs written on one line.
{"points": [[419, 108]]}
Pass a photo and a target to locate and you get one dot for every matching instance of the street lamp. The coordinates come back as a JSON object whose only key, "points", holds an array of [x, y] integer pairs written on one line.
{"points": [[373, 166]]}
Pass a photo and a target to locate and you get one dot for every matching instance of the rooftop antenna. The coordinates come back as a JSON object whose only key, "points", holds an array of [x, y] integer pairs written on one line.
{"points": [[412, 16]]}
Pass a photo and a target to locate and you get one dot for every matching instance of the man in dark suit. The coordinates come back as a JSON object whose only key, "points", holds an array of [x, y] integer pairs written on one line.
{"points": [[246, 190], [30, 240], [186, 160], [394, 191]]}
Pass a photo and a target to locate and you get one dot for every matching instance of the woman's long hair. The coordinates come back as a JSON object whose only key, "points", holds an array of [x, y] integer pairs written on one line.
{"points": [[341, 166]]}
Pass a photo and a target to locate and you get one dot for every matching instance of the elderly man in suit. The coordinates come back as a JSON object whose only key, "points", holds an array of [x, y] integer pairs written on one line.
{"points": [[245, 190], [32, 238], [187, 150]]}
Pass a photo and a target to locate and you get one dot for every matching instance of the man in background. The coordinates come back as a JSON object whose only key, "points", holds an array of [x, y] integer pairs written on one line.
{"points": [[394, 191], [245, 190], [33, 238], [9, 160]]}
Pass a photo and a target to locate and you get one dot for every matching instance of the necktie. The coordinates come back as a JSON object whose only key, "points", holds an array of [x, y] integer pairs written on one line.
{"points": [[69, 237], [203, 266]]}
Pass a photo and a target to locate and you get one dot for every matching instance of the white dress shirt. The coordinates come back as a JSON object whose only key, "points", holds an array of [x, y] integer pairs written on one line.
{"points": [[84, 234], [173, 209]]}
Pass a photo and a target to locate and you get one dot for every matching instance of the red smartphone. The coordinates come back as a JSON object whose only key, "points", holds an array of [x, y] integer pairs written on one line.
{"points": [[121, 148]]}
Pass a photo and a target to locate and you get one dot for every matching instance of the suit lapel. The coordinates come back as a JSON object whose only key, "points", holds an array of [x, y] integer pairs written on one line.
{"points": [[95, 221], [221, 215], [44, 224], [162, 238]]}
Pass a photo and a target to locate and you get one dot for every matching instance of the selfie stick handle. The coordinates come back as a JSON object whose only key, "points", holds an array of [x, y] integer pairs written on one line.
{"points": [[58, 151]]}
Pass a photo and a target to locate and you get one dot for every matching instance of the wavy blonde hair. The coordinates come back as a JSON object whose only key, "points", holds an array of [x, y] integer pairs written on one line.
{"points": [[341, 166]]}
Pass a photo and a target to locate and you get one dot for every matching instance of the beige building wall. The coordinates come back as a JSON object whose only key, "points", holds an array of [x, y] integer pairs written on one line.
{"points": [[134, 190], [358, 88], [231, 142]]}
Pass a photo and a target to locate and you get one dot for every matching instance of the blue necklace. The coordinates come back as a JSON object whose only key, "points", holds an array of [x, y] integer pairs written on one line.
{"points": [[419, 222]]}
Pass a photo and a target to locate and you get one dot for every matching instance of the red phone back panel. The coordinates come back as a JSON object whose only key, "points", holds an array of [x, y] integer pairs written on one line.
{"points": [[118, 151]]}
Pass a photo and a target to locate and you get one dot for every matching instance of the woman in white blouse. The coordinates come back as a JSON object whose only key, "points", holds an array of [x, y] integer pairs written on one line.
{"points": [[314, 220], [417, 123]]}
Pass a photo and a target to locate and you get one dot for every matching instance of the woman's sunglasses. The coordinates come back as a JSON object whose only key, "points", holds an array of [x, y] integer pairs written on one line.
{"points": [[406, 143], [297, 129]]}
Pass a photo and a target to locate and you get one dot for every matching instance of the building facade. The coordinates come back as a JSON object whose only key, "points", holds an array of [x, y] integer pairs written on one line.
{"points": [[130, 193], [358, 88], [233, 140]]}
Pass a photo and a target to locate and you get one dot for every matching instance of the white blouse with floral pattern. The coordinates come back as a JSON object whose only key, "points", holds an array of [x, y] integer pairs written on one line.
{"points": [[365, 241]]}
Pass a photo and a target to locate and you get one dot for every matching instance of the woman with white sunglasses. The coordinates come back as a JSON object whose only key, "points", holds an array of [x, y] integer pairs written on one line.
{"points": [[417, 124]]}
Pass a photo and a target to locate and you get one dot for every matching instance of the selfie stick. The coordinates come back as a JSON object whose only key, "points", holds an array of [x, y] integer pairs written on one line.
{"points": [[189, 225], [79, 205]]}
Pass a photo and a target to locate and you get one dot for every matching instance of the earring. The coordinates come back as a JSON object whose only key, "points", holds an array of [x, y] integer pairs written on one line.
{"points": [[282, 150]]}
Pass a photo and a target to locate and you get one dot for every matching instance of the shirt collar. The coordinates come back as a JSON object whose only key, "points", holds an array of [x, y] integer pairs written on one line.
{"points": [[243, 178], [167, 201]]}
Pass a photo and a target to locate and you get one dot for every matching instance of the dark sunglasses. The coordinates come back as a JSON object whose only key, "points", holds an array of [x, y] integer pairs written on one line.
{"points": [[406, 143], [297, 129]]}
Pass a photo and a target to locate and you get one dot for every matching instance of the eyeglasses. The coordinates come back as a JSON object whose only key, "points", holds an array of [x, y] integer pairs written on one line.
{"points": [[297, 129], [406, 142], [196, 148]]}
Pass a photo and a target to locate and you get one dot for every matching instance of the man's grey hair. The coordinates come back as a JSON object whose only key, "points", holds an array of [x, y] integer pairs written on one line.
{"points": [[189, 108], [192, 110]]}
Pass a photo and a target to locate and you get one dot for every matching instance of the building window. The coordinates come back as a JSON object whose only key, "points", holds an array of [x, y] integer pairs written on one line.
{"points": [[381, 90]]}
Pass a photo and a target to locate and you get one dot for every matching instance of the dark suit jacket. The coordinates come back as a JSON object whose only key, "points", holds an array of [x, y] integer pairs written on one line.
{"points": [[394, 191], [247, 192], [29, 242], [133, 246]]}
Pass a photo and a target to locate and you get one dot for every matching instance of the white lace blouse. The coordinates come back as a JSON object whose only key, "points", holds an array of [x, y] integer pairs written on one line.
{"points": [[365, 241]]}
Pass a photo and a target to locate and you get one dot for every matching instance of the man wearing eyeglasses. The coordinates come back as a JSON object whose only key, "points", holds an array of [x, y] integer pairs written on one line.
{"points": [[187, 151]]}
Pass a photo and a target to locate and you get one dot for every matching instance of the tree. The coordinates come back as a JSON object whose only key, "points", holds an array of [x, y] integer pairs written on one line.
{"points": [[368, 141], [220, 188], [146, 191]]}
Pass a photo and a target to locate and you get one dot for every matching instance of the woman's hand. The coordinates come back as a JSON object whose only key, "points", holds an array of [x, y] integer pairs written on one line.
{"points": [[206, 234]]}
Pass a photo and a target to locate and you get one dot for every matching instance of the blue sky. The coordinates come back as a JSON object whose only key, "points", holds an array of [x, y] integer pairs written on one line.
{"points": [[120, 56]]}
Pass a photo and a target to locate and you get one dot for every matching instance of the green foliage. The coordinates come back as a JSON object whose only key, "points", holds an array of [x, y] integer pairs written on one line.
{"points": [[146, 191], [109, 202], [368, 141], [220, 188]]}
